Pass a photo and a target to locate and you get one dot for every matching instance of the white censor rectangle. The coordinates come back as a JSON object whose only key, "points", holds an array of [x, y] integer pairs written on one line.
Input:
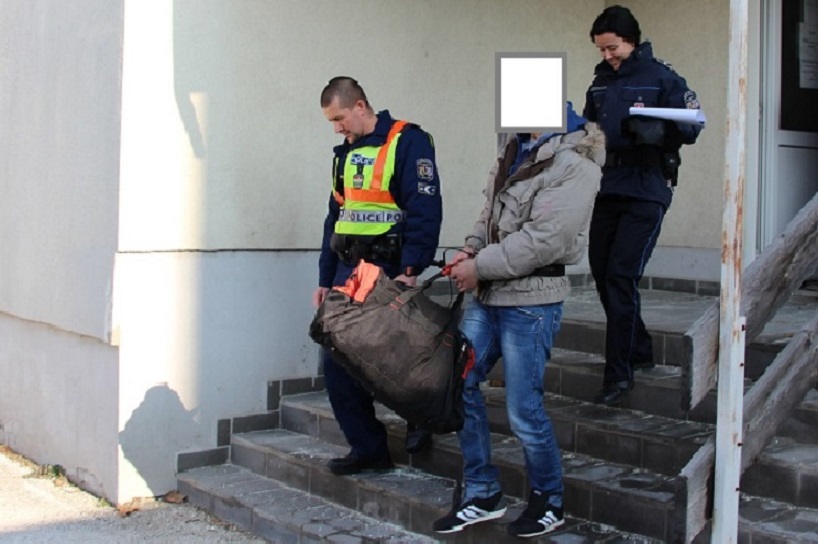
{"points": [[531, 91]]}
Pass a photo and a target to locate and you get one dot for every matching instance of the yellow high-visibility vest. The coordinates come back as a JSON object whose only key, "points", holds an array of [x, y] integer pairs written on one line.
{"points": [[367, 206]]}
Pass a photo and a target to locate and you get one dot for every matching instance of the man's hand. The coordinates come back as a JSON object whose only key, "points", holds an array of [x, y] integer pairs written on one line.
{"points": [[464, 274], [319, 295], [411, 281], [460, 256]]}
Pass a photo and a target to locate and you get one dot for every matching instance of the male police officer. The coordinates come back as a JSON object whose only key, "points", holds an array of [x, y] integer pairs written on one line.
{"points": [[385, 208]]}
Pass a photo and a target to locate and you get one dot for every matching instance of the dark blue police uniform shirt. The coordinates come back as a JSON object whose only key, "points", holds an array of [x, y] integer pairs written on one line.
{"points": [[644, 81], [420, 198]]}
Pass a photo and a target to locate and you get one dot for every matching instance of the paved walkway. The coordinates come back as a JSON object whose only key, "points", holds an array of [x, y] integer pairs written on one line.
{"points": [[34, 510]]}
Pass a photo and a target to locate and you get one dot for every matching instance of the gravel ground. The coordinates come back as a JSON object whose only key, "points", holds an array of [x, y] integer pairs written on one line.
{"points": [[40, 509]]}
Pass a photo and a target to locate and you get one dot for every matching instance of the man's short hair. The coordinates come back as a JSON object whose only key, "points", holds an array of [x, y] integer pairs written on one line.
{"points": [[346, 89], [620, 21]]}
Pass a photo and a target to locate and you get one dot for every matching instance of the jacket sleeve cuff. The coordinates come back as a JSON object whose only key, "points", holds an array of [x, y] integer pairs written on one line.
{"points": [[476, 243], [324, 281], [416, 270]]}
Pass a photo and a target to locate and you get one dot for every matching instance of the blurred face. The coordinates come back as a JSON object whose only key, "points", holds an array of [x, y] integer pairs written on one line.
{"points": [[613, 48], [347, 121]]}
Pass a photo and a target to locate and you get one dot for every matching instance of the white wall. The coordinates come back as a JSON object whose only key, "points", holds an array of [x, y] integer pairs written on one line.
{"points": [[224, 143], [58, 397], [60, 65], [228, 148], [693, 37], [225, 150], [200, 334], [196, 224]]}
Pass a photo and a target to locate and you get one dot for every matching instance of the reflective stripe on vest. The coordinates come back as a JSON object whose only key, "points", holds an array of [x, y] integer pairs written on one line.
{"points": [[363, 216], [368, 208]]}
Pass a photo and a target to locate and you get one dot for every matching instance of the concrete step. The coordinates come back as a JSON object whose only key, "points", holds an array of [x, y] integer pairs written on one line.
{"points": [[786, 470], [657, 391], [630, 498], [653, 442], [668, 315], [630, 437], [765, 521], [620, 464], [413, 498], [279, 513], [643, 441], [653, 433]]}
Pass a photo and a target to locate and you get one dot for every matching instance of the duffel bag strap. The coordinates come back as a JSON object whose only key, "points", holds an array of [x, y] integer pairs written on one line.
{"points": [[410, 293]]}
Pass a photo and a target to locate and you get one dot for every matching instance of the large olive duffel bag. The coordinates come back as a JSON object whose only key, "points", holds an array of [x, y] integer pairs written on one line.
{"points": [[399, 344]]}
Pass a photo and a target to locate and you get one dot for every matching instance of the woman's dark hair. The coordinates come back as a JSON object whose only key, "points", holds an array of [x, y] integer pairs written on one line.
{"points": [[620, 21]]}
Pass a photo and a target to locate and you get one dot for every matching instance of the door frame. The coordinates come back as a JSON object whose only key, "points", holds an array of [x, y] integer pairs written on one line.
{"points": [[769, 138]]}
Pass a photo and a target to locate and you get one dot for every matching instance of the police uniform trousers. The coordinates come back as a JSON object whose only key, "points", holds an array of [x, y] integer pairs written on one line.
{"points": [[622, 236], [352, 404]]}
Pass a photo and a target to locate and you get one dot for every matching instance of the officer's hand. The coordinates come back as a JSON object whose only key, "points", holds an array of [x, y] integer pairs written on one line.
{"points": [[319, 295], [464, 275], [411, 281]]}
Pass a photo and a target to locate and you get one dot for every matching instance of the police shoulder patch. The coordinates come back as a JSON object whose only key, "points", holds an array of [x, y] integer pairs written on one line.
{"points": [[426, 189], [426, 169], [691, 102]]}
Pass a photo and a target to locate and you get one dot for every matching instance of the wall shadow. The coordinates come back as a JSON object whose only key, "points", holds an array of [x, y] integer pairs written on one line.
{"points": [[151, 438]]}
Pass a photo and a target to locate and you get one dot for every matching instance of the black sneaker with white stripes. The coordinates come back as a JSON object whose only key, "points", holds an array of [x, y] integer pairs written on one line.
{"points": [[538, 518], [472, 511]]}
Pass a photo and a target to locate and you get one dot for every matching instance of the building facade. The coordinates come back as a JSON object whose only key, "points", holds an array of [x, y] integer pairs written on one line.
{"points": [[165, 174]]}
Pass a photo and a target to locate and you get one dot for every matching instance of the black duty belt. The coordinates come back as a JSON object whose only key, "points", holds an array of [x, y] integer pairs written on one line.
{"points": [[382, 249], [550, 271], [634, 157]]}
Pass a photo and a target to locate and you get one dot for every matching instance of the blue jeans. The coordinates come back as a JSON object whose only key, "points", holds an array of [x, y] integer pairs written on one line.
{"points": [[523, 336]]}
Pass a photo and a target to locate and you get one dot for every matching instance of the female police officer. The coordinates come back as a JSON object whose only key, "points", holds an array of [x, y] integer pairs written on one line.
{"points": [[637, 184]]}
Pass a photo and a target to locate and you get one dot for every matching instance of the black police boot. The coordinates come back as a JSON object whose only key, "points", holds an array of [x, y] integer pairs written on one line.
{"points": [[613, 392], [342, 466], [417, 440]]}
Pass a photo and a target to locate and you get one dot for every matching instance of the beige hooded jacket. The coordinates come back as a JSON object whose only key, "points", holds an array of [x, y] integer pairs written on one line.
{"points": [[536, 217]]}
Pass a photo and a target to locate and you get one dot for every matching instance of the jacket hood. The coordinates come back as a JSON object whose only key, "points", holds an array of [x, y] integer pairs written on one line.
{"points": [[589, 143]]}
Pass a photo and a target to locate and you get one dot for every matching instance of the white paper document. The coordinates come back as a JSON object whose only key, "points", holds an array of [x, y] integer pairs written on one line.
{"points": [[680, 115], [808, 55]]}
